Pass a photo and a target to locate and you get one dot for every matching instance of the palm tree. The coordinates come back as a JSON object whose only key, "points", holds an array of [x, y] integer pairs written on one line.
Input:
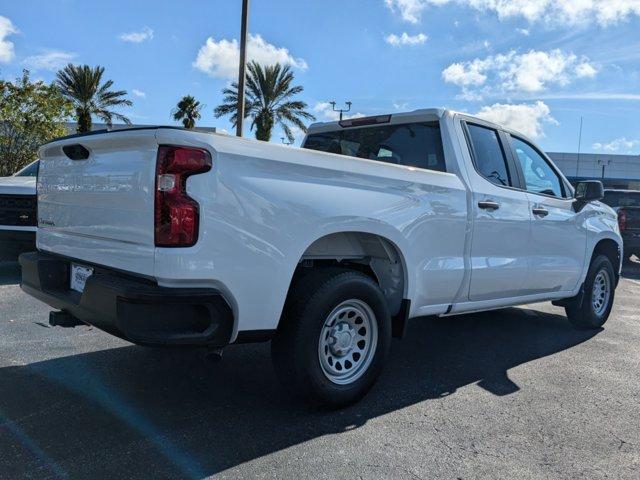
{"points": [[187, 110], [268, 101], [83, 86]]}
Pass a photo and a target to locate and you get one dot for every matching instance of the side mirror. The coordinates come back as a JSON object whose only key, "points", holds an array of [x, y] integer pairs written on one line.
{"points": [[588, 191]]}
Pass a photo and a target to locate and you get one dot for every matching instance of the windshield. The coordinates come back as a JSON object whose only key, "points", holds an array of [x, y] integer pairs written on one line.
{"points": [[411, 144], [30, 170]]}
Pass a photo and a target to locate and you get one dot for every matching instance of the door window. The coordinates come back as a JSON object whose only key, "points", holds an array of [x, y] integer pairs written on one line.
{"points": [[539, 177], [488, 155]]}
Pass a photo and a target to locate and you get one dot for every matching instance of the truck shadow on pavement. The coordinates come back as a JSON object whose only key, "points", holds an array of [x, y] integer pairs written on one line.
{"points": [[137, 413], [631, 270]]}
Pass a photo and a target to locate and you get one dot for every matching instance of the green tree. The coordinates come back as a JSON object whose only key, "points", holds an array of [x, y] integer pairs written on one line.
{"points": [[268, 101], [187, 111], [31, 113], [83, 86]]}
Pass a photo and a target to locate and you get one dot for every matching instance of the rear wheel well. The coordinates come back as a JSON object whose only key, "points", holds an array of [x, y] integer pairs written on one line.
{"points": [[371, 254], [611, 250]]}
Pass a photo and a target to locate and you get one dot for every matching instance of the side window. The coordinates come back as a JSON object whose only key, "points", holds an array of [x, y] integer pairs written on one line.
{"points": [[488, 154], [538, 174]]}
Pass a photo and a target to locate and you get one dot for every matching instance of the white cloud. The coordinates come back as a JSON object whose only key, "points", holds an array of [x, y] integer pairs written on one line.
{"points": [[402, 106], [523, 31], [6, 47], [405, 39], [139, 93], [528, 119], [619, 144], [585, 69], [49, 60], [512, 72], [325, 110], [220, 58], [137, 37], [550, 12], [465, 74], [409, 10]]}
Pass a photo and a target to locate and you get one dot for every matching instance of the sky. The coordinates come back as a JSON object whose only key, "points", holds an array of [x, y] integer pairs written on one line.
{"points": [[538, 66]]}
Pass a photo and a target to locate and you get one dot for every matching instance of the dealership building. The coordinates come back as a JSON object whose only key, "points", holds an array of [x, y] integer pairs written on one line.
{"points": [[615, 171]]}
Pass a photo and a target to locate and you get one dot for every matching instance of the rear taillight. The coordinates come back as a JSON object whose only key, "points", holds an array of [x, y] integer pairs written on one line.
{"points": [[622, 220], [176, 214]]}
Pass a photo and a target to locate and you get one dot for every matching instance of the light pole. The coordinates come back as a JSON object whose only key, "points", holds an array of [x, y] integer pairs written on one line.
{"points": [[341, 110], [243, 66], [604, 162], [579, 147]]}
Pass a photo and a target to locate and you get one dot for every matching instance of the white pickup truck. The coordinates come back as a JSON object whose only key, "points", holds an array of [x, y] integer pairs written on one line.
{"points": [[169, 237]]}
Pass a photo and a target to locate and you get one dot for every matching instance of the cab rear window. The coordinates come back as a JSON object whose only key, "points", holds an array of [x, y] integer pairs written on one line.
{"points": [[410, 144]]}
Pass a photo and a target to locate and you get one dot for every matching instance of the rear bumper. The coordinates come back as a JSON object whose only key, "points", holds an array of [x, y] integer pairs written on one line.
{"points": [[15, 242], [132, 308]]}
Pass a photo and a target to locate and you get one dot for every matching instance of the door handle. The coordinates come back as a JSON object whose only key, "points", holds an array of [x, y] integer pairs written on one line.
{"points": [[539, 211], [488, 205]]}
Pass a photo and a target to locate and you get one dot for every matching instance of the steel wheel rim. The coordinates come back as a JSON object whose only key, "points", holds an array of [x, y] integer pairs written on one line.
{"points": [[601, 292], [348, 342]]}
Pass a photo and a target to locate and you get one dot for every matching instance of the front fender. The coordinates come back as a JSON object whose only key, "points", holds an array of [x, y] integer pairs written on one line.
{"points": [[601, 223]]}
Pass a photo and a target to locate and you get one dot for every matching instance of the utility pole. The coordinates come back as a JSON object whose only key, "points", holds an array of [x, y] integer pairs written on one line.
{"points": [[341, 110], [579, 147], [243, 66]]}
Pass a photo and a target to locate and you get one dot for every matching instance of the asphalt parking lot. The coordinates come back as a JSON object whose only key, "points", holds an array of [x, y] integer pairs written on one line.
{"points": [[515, 393]]}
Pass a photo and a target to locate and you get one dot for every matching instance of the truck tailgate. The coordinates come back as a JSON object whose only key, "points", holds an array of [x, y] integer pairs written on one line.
{"points": [[101, 208]]}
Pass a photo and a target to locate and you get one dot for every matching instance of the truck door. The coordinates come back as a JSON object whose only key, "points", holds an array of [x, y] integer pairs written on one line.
{"points": [[558, 237], [501, 218]]}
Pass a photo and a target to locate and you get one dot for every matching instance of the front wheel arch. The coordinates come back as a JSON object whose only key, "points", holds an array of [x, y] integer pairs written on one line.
{"points": [[610, 249]]}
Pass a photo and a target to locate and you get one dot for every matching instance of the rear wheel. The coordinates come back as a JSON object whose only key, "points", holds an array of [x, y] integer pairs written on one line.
{"points": [[599, 291], [333, 338]]}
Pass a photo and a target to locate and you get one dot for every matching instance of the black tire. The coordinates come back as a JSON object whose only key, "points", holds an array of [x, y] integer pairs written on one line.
{"points": [[585, 316], [295, 348]]}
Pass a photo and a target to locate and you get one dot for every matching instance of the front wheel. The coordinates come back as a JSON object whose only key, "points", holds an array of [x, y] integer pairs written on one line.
{"points": [[334, 337], [599, 291]]}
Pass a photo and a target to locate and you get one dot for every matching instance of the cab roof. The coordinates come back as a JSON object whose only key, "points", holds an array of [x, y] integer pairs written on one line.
{"points": [[420, 115]]}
